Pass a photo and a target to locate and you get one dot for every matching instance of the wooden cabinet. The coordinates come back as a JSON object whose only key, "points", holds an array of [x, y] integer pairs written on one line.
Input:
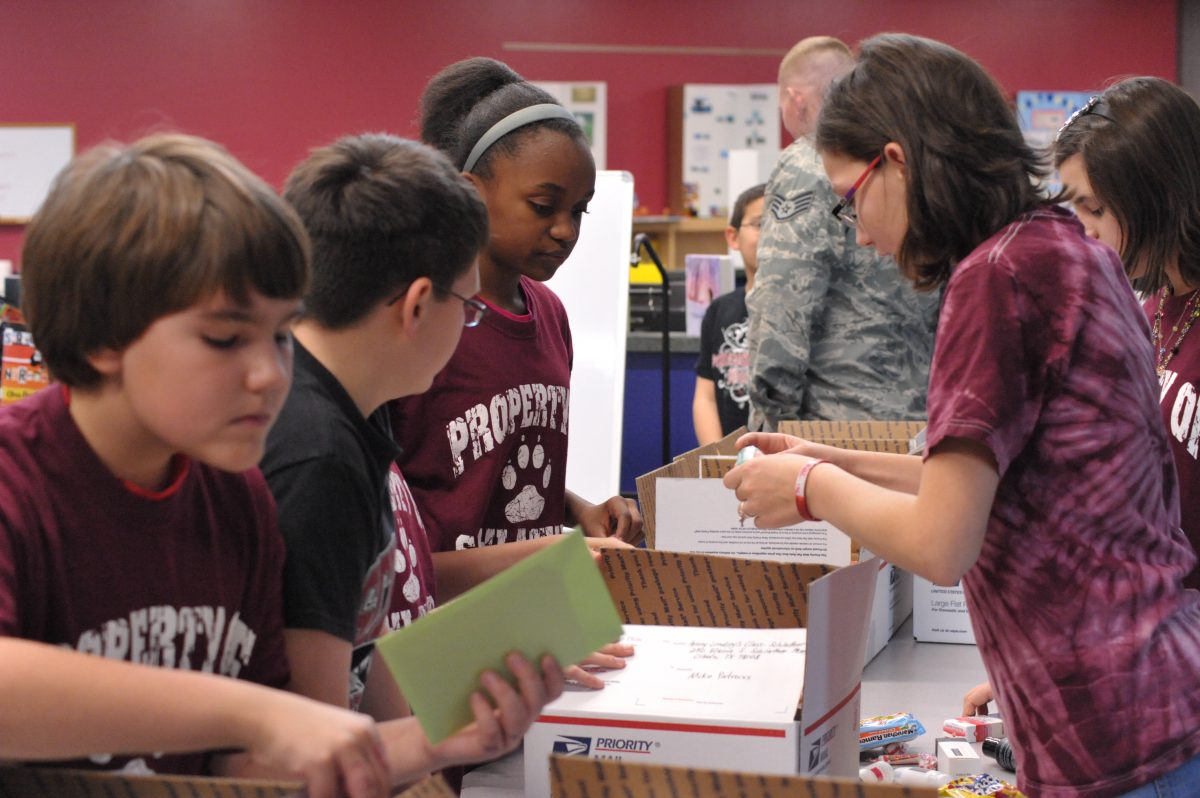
{"points": [[676, 236]]}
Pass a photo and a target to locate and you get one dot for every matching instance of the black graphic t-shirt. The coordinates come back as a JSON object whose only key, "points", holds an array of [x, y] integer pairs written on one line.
{"points": [[329, 470], [724, 358]]}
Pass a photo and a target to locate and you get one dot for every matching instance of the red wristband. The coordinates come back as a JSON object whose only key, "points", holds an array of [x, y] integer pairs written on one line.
{"points": [[801, 485]]}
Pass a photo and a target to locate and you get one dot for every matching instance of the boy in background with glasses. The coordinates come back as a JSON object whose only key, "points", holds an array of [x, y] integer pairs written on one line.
{"points": [[395, 232], [721, 403]]}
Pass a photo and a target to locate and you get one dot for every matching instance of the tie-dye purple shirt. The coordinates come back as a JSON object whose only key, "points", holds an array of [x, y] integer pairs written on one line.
{"points": [[1091, 644]]}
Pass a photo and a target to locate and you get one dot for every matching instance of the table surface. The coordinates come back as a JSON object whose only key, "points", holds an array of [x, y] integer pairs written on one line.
{"points": [[925, 679]]}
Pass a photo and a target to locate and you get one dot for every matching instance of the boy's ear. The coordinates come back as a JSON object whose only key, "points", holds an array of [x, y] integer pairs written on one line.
{"points": [[106, 361], [410, 308], [731, 237]]}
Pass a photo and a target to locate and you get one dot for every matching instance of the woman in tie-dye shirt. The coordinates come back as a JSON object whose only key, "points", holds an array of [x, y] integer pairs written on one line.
{"points": [[1048, 485]]}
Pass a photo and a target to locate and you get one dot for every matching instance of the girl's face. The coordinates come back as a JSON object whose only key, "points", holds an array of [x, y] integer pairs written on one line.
{"points": [[880, 199], [536, 198], [1098, 221]]}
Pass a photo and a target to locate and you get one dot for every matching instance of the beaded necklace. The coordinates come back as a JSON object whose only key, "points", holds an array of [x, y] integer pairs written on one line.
{"points": [[1162, 353]]}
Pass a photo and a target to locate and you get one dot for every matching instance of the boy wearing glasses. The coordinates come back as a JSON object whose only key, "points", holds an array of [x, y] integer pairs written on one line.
{"points": [[395, 232], [722, 400]]}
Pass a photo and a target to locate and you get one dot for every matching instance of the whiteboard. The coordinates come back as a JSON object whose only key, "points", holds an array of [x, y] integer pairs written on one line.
{"points": [[30, 157], [594, 286]]}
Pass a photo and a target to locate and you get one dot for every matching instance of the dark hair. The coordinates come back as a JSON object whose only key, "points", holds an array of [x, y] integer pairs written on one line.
{"points": [[1140, 145], [464, 100], [129, 234], [744, 199], [969, 170], [382, 211]]}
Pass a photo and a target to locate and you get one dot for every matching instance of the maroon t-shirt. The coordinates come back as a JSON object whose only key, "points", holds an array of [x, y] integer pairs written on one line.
{"points": [[1177, 398], [413, 590], [1090, 640], [485, 448], [187, 578]]}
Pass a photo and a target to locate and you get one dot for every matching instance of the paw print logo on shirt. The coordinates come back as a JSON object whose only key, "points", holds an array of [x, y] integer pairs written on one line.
{"points": [[528, 468]]}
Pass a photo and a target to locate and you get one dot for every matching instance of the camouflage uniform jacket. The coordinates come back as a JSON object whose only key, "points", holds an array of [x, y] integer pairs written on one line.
{"points": [[836, 332]]}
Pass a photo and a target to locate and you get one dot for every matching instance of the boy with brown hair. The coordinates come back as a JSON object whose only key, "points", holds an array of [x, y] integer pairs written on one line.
{"points": [[396, 231], [160, 282]]}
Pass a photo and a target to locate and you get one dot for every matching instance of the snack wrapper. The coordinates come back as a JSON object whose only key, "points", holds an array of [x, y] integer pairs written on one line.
{"points": [[882, 730], [972, 786]]}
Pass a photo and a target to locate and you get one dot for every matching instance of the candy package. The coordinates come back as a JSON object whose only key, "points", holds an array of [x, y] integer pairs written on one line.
{"points": [[884, 729]]}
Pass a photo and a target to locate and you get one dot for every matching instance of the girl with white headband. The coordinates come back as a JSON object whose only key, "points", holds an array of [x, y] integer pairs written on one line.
{"points": [[485, 448]]}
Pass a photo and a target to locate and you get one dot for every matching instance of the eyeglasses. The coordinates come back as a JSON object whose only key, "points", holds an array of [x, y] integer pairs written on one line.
{"points": [[1096, 106], [844, 210], [754, 224], [473, 309]]}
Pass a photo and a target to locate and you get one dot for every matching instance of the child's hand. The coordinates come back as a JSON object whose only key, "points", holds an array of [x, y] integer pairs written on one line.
{"points": [[326, 746], [773, 442], [765, 488], [610, 657], [975, 702], [618, 517], [501, 724]]}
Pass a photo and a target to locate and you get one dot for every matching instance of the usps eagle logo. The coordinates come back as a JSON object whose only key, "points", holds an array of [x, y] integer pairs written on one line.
{"points": [[572, 746]]}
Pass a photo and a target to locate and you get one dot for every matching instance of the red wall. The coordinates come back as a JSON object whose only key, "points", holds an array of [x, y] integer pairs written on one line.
{"points": [[272, 78]]}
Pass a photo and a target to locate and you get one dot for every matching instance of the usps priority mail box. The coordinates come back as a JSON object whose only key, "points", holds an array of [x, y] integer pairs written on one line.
{"points": [[940, 613], [707, 695]]}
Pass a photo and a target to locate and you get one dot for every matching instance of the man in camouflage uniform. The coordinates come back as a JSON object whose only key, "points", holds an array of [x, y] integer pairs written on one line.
{"points": [[836, 332]]}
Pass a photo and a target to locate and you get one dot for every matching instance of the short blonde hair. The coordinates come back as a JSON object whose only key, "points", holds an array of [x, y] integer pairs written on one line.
{"points": [[129, 234], [805, 49]]}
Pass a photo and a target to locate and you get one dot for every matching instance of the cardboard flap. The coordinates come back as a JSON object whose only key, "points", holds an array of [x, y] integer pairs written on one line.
{"points": [[867, 436], [684, 465], [579, 777], [839, 609], [672, 589], [29, 782], [65, 783]]}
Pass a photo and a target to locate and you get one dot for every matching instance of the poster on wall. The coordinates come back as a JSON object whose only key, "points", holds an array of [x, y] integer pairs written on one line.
{"points": [[589, 103], [718, 119], [30, 157], [1042, 113]]}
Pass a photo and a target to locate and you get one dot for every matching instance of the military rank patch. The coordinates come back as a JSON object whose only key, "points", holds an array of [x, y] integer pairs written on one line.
{"points": [[784, 208]]}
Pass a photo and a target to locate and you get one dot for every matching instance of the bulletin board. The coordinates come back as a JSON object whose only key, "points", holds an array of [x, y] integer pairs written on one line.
{"points": [[30, 157], [707, 121], [594, 287]]}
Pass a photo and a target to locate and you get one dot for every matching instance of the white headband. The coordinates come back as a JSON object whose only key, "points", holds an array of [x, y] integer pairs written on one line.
{"points": [[526, 116]]}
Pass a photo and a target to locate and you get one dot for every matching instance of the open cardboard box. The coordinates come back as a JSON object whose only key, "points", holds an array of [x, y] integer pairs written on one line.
{"points": [[674, 589], [573, 777], [38, 782], [686, 508], [894, 586]]}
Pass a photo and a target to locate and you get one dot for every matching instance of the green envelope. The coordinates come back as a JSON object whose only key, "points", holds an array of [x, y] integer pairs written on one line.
{"points": [[552, 602]]}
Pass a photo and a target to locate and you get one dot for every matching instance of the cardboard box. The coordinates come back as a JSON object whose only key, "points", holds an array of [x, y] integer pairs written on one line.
{"points": [[574, 777], [940, 614], [892, 606], [958, 758], [974, 729], [672, 589], [36, 782], [893, 592]]}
